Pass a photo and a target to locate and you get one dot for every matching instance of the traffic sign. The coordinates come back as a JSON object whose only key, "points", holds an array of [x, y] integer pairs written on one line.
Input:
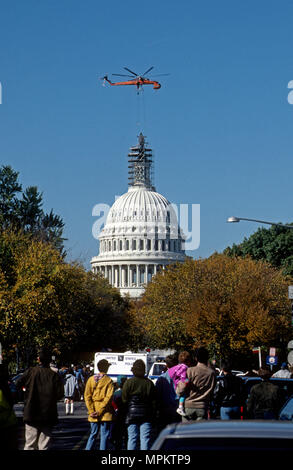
{"points": [[272, 360], [272, 351], [290, 292]]}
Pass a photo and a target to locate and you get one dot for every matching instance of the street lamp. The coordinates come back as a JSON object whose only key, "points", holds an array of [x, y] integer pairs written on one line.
{"points": [[237, 219]]}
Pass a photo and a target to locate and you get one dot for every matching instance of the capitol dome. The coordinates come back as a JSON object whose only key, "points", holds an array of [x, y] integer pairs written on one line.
{"points": [[141, 234], [139, 203]]}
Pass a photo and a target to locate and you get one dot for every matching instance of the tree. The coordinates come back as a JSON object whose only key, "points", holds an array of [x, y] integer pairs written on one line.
{"points": [[274, 245], [30, 208], [9, 203], [45, 301], [26, 213], [227, 304]]}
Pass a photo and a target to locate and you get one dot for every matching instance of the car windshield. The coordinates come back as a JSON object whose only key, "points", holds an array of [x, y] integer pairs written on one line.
{"points": [[158, 369], [287, 411]]}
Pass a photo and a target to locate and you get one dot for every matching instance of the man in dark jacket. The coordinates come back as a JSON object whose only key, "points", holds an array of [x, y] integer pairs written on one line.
{"points": [[43, 388], [167, 400], [229, 394], [139, 395], [264, 399]]}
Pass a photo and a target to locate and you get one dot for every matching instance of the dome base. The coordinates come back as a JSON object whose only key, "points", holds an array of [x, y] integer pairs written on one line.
{"points": [[132, 292]]}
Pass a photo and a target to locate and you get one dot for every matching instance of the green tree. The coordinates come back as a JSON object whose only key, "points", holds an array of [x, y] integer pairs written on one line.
{"points": [[30, 209], [26, 212], [274, 245], [9, 202]]}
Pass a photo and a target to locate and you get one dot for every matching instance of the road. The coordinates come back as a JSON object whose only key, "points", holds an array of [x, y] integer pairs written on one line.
{"points": [[70, 433]]}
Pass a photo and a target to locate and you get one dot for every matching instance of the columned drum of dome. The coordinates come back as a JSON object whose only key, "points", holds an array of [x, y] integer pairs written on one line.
{"points": [[141, 235]]}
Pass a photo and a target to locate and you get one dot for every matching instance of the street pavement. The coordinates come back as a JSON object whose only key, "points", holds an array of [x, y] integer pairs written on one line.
{"points": [[71, 432]]}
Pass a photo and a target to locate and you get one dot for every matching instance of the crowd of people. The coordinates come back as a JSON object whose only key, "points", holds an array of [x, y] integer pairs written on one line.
{"points": [[129, 414]]}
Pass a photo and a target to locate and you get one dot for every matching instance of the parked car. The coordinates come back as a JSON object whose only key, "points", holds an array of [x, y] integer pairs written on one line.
{"points": [[17, 393], [285, 385], [216, 435], [156, 370], [286, 413]]}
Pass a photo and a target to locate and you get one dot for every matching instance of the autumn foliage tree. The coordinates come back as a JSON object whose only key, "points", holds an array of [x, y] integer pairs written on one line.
{"points": [[227, 304], [45, 301]]}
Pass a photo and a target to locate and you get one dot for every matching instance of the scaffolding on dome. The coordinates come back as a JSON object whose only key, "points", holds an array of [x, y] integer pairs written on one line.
{"points": [[140, 165]]}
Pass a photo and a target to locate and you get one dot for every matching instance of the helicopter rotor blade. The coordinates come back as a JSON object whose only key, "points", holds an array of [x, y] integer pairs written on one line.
{"points": [[128, 70], [148, 70], [160, 75], [122, 75]]}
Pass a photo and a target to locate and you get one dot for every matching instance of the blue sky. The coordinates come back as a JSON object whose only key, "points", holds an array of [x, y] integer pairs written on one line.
{"points": [[220, 126]]}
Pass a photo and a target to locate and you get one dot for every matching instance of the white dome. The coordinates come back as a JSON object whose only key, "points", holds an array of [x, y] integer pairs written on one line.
{"points": [[139, 204], [141, 235]]}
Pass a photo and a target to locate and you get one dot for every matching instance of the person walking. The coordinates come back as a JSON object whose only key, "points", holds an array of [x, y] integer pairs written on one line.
{"points": [[229, 394], [167, 399], [98, 397], [139, 395], [264, 400], [202, 381], [43, 389], [70, 390]]}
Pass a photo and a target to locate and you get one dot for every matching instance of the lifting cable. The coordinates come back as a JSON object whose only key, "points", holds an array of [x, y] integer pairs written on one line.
{"points": [[141, 109]]}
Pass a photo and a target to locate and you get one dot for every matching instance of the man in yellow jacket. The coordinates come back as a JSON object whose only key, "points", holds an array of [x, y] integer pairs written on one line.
{"points": [[98, 396]]}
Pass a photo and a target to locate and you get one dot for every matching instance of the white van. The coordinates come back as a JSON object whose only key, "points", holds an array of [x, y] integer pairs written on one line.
{"points": [[121, 363]]}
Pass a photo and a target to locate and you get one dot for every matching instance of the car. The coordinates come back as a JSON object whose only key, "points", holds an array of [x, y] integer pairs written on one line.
{"points": [[234, 372], [156, 370], [286, 413], [285, 386], [217, 435], [17, 393]]}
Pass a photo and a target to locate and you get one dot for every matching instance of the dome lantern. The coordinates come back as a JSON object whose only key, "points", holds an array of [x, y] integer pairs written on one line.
{"points": [[140, 163]]}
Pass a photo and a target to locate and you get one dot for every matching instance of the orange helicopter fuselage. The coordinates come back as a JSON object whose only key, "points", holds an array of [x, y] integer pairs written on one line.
{"points": [[139, 81]]}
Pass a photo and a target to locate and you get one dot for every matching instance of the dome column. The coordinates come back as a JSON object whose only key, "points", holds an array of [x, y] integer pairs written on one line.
{"points": [[120, 284], [137, 275]]}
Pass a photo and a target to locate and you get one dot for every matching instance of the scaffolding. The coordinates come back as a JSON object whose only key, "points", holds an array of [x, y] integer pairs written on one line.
{"points": [[140, 165]]}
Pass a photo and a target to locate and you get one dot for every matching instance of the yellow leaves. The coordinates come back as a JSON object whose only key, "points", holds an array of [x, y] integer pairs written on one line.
{"points": [[222, 301], [48, 300]]}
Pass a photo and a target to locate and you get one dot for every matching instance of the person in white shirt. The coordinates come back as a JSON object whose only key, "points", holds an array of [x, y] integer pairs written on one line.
{"points": [[283, 373]]}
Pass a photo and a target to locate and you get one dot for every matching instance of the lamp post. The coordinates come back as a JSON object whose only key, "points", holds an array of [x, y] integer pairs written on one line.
{"points": [[237, 219]]}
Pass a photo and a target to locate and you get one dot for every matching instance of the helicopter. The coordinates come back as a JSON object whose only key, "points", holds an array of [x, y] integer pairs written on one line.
{"points": [[138, 80]]}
